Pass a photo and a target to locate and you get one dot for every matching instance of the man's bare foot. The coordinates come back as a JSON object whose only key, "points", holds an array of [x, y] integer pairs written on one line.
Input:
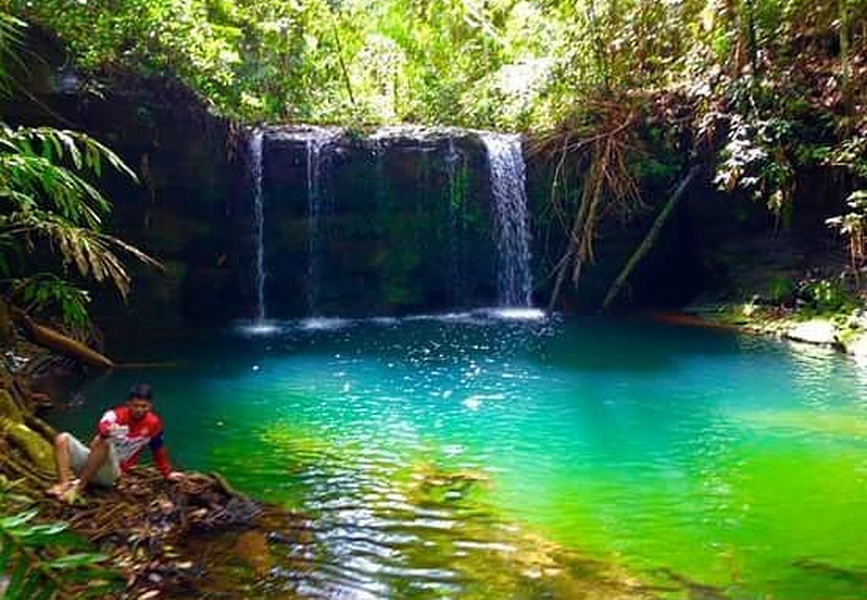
{"points": [[72, 494], [58, 489]]}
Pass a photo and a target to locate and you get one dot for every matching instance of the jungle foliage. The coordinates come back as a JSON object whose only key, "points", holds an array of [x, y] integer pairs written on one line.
{"points": [[757, 90], [50, 211], [497, 63], [46, 560]]}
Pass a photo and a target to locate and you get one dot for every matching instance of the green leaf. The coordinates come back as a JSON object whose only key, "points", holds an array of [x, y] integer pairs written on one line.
{"points": [[34, 583], [73, 561], [19, 577], [8, 523], [94, 572], [68, 539], [45, 593], [5, 555], [46, 530]]}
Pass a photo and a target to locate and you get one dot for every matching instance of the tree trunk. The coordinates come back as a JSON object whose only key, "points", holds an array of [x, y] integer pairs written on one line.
{"points": [[344, 71], [845, 67]]}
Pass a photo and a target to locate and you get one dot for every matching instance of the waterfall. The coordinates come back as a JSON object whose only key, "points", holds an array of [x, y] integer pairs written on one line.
{"points": [[455, 211], [511, 230], [390, 222], [316, 140], [258, 222]]}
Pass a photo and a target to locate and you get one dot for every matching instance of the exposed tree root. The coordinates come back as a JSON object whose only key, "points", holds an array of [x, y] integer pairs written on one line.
{"points": [[145, 522]]}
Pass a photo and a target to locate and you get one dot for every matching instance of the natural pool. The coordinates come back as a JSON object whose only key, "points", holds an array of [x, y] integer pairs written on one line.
{"points": [[474, 456]]}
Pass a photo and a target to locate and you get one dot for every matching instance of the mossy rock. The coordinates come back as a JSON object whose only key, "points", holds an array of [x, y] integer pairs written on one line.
{"points": [[9, 409], [856, 345], [34, 446]]}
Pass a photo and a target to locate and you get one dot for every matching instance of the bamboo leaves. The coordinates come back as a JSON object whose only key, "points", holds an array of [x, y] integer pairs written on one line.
{"points": [[91, 252], [46, 292], [33, 161], [47, 202], [44, 560], [47, 198]]}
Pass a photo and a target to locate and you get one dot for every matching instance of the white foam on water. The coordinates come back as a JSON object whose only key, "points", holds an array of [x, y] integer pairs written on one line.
{"points": [[259, 328], [479, 317], [518, 314], [434, 316], [324, 323], [385, 320]]}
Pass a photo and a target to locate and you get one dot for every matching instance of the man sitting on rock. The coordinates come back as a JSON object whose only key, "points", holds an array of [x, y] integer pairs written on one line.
{"points": [[123, 432]]}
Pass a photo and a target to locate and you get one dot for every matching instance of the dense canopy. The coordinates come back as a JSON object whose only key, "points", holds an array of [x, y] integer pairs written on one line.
{"points": [[496, 63]]}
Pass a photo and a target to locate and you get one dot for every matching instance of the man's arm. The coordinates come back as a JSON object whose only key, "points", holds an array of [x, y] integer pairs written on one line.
{"points": [[161, 458], [107, 424]]}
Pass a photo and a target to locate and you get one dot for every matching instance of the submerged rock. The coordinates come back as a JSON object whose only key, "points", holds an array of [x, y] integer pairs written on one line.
{"points": [[252, 548]]}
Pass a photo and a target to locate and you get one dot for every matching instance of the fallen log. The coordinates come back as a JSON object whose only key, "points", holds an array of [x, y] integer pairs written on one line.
{"points": [[57, 342]]}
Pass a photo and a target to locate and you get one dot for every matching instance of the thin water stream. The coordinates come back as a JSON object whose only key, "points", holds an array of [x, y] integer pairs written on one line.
{"points": [[316, 142], [476, 456], [256, 173]]}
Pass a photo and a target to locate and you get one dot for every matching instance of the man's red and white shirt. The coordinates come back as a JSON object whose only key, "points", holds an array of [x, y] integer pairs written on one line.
{"points": [[130, 436]]}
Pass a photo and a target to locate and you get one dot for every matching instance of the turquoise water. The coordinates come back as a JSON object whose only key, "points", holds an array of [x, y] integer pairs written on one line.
{"points": [[468, 456]]}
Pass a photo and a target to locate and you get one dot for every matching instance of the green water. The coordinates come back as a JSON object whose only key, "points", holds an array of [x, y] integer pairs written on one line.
{"points": [[454, 457]]}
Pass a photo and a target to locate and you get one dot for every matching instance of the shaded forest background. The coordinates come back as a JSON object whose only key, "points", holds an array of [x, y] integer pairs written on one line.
{"points": [[622, 99], [496, 64]]}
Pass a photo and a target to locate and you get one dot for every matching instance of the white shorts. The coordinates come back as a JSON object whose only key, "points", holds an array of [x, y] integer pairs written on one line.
{"points": [[78, 453]]}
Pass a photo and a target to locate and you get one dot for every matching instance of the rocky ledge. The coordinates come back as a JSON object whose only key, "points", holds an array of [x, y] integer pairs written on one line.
{"points": [[844, 332]]}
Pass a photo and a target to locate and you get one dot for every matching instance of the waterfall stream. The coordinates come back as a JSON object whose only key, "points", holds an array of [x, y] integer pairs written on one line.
{"points": [[455, 201], [317, 141], [256, 143], [412, 216], [511, 231]]}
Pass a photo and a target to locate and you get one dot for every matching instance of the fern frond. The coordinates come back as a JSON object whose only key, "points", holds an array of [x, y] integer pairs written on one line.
{"points": [[11, 42], [90, 251], [52, 185], [85, 152]]}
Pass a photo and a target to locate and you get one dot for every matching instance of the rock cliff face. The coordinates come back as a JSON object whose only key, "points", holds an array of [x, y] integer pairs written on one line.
{"points": [[401, 220], [181, 210], [388, 221], [394, 221]]}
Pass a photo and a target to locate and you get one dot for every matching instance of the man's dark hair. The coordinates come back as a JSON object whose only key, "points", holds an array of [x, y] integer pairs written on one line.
{"points": [[140, 390]]}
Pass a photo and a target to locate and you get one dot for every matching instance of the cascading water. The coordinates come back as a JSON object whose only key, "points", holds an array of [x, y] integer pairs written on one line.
{"points": [[511, 222], [256, 143], [455, 209], [388, 223], [316, 141]]}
